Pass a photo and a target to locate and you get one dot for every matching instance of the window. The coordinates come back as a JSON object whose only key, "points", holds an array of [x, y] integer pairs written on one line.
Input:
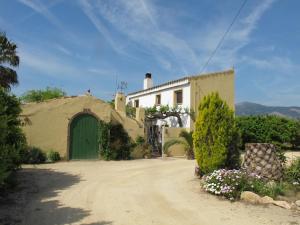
{"points": [[136, 103], [178, 97], [157, 99]]}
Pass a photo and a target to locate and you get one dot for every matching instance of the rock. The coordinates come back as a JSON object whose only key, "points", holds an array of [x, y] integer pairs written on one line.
{"points": [[294, 206], [266, 200], [251, 197], [282, 204], [297, 203]]}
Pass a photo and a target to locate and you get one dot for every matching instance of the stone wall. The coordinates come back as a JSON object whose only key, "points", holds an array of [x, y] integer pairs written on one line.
{"points": [[260, 158]]}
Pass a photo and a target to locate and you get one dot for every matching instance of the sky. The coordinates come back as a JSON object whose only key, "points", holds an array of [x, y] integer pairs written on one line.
{"points": [[78, 45]]}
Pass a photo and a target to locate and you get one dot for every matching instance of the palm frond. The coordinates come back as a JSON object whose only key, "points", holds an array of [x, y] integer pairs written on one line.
{"points": [[188, 136], [8, 77]]}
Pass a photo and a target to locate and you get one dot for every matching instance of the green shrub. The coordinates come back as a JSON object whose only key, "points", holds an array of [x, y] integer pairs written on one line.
{"points": [[120, 142], [9, 162], [114, 141], [34, 155], [53, 156], [140, 140], [12, 140], [292, 172], [130, 111], [215, 137], [42, 95]]}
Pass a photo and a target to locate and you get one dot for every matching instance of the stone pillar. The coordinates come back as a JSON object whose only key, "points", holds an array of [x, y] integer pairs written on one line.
{"points": [[120, 103], [261, 159], [140, 115]]}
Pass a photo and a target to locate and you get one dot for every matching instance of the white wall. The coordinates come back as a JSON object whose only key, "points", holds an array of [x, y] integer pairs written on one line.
{"points": [[167, 98]]}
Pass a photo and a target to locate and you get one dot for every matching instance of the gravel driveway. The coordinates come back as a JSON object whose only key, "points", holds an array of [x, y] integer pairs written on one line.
{"points": [[141, 192]]}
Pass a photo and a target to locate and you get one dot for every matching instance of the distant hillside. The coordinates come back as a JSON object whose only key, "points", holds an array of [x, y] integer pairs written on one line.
{"points": [[249, 108]]}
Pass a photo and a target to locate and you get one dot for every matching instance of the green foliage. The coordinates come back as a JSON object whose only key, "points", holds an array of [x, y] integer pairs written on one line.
{"points": [[273, 129], [114, 141], [230, 184], [53, 156], [163, 109], [8, 56], [140, 140], [292, 172], [216, 137], [141, 148], [186, 141], [269, 129], [34, 155], [130, 111], [104, 140], [12, 140], [120, 142], [10, 160], [42, 95]]}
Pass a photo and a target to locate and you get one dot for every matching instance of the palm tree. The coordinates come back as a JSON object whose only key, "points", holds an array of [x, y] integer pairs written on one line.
{"points": [[8, 56], [187, 141]]}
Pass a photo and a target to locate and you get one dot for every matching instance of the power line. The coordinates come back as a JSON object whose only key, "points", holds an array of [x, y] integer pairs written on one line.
{"points": [[223, 37]]}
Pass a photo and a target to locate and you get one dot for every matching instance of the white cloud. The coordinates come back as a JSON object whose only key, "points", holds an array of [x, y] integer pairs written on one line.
{"points": [[63, 49], [137, 20], [273, 63], [42, 10], [47, 64], [229, 54]]}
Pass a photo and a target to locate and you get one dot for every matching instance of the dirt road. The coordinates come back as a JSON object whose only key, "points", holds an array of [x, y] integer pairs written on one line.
{"points": [[138, 192]]}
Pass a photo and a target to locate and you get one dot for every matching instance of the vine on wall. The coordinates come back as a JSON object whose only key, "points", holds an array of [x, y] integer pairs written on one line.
{"points": [[114, 142]]}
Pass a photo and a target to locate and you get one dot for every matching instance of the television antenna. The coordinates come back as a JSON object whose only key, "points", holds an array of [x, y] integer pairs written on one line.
{"points": [[122, 86]]}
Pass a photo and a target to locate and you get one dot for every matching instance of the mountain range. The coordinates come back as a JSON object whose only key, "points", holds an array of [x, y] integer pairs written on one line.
{"points": [[250, 108]]}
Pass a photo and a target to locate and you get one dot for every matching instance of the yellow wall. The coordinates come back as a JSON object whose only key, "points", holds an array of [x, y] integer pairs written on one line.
{"points": [[132, 126], [170, 133], [221, 82], [47, 122]]}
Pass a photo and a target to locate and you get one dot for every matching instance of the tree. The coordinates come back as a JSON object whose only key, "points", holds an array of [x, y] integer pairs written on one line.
{"points": [[8, 55], [12, 139], [164, 111], [186, 141], [42, 95], [216, 136]]}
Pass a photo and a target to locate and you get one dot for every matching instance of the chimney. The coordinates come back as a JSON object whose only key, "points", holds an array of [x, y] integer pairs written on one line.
{"points": [[148, 83]]}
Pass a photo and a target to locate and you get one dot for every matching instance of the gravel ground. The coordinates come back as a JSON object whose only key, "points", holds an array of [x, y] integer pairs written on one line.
{"points": [[137, 192]]}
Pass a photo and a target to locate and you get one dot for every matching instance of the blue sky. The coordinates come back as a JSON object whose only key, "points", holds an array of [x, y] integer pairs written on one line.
{"points": [[80, 45]]}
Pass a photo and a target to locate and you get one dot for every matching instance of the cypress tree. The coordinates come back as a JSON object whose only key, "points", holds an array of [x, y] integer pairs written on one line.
{"points": [[215, 137]]}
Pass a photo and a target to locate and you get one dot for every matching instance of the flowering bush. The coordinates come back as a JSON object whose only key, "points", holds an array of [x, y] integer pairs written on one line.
{"points": [[224, 182], [230, 184]]}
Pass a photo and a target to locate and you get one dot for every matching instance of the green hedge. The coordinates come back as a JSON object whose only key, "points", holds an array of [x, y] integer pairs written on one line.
{"points": [[269, 129]]}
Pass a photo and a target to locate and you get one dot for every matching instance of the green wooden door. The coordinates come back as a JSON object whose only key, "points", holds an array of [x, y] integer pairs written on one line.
{"points": [[84, 137]]}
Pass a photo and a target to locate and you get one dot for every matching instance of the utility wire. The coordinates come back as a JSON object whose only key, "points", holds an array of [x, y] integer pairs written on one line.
{"points": [[223, 37]]}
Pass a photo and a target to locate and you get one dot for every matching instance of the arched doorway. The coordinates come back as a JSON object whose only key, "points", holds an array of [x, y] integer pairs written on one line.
{"points": [[84, 137]]}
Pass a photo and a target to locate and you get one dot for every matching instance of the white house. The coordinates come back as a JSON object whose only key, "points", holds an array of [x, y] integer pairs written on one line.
{"points": [[184, 93]]}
